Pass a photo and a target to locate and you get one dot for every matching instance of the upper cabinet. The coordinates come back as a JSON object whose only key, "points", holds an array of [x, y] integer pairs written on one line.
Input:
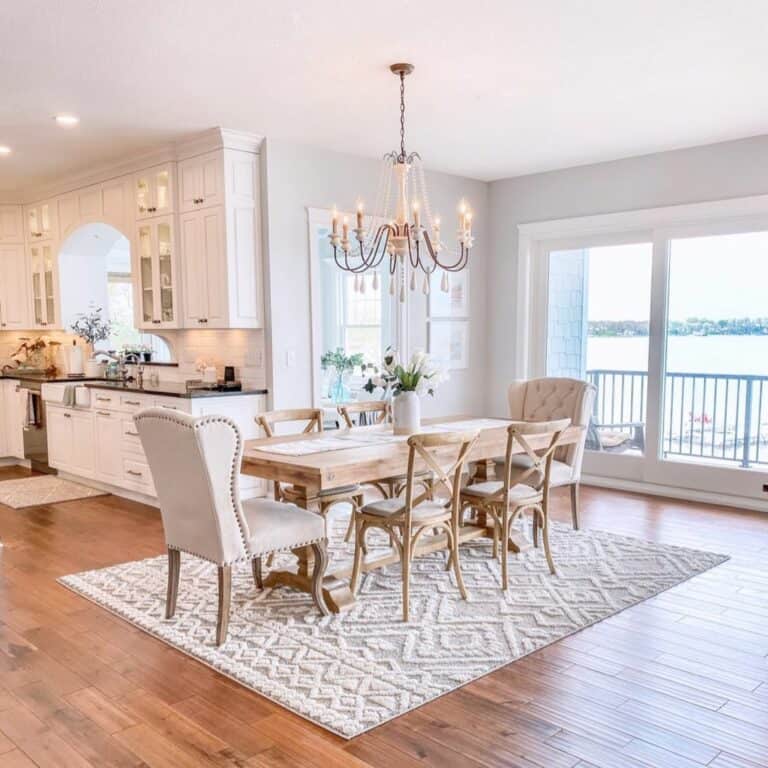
{"points": [[11, 224], [41, 221], [201, 182], [42, 265], [155, 268], [221, 243], [14, 306], [154, 191]]}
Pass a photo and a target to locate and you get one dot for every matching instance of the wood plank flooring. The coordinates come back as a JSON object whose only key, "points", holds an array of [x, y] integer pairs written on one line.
{"points": [[680, 681]]}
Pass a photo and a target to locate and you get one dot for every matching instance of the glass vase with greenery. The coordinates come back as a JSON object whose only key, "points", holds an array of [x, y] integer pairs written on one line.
{"points": [[341, 364]]}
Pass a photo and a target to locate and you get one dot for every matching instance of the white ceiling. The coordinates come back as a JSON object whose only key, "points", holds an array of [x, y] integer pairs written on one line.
{"points": [[501, 88]]}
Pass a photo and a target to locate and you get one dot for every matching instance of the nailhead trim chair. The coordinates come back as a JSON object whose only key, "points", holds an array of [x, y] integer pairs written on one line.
{"points": [[555, 398], [195, 465]]}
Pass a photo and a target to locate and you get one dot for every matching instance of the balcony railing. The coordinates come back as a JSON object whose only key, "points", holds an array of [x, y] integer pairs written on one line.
{"points": [[721, 417]]}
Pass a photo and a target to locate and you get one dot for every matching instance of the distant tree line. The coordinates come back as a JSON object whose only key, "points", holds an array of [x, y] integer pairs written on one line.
{"points": [[693, 326]]}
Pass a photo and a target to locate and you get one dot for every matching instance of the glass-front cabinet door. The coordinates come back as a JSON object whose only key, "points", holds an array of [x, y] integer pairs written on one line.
{"points": [[157, 274], [42, 265], [40, 221], [154, 192]]}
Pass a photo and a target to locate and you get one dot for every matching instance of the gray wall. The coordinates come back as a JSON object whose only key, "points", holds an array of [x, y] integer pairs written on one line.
{"points": [[713, 172], [299, 177]]}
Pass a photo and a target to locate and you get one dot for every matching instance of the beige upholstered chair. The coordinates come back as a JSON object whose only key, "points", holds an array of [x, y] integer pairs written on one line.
{"points": [[519, 490], [555, 398], [406, 520], [313, 417], [195, 465]]}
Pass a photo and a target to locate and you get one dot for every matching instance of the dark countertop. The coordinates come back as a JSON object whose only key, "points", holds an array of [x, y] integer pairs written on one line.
{"points": [[42, 378], [168, 389]]}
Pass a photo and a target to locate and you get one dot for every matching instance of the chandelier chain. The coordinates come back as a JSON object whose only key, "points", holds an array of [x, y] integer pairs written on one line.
{"points": [[402, 117]]}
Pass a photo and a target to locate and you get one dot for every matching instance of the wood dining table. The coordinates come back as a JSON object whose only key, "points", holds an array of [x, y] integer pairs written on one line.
{"points": [[320, 462]]}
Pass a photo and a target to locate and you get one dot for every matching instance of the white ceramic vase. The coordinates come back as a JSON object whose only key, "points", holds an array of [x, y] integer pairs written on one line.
{"points": [[406, 413]]}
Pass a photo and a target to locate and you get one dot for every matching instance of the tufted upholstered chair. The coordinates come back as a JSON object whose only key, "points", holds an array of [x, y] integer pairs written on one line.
{"points": [[555, 398], [195, 465]]}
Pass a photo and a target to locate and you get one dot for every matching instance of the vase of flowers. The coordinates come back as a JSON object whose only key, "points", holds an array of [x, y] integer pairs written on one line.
{"points": [[421, 376], [341, 364], [92, 327]]}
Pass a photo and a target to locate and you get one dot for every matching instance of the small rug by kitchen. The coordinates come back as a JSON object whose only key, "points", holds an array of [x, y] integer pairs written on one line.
{"points": [[45, 489], [354, 671]]}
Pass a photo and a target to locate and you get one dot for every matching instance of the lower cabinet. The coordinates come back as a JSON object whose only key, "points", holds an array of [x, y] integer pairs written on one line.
{"points": [[13, 403], [101, 442]]}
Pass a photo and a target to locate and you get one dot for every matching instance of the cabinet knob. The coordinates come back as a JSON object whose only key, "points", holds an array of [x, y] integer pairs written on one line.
{"points": [[67, 416]]}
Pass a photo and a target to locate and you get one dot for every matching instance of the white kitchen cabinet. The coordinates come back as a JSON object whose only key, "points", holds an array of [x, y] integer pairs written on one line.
{"points": [[108, 431], [156, 302], [221, 251], [11, 224], [154, 191], [201, 182], [41, 221], [203, 246], [12, 411], [71, 441], [44, 282], [14, 297]]}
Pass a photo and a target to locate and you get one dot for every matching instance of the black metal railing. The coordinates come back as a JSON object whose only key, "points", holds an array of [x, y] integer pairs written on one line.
{"points": [[708, 415]]}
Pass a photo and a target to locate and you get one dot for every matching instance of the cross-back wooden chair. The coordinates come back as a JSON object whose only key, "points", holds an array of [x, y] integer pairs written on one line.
{"points": [[407, 520], [379, 410], [314, 423], [520, 489]]}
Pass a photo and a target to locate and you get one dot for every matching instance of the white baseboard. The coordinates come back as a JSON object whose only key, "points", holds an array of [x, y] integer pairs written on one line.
{"points": [[673, 492], [14, 462], [113, 489]]}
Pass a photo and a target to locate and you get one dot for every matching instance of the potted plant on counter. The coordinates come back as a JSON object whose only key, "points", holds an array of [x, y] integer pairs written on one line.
{"points": [[420, 376], [92, 327]]}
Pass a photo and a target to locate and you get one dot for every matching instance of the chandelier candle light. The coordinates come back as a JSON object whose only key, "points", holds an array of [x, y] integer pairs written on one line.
{"points": [[411, 246]]}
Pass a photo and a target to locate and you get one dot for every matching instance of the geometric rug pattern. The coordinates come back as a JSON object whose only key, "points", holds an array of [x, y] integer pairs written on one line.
{"points": [[351, 672], [47, 489]]}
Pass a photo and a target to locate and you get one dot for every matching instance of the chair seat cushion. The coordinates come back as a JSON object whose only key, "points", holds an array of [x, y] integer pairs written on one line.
{"points": [[519, 492], [560, 474], [275, 525], [428, 510]]}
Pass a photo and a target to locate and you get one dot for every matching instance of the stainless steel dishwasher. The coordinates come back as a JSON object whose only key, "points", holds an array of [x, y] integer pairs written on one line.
{"points": [[35, 431]]}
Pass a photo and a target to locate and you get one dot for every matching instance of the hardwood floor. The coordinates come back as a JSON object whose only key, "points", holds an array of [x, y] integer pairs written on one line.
{"points": [[678, 681]]}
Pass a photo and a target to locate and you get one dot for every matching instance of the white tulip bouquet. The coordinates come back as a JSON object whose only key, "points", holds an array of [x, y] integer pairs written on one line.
{"points": [[422, 374]]}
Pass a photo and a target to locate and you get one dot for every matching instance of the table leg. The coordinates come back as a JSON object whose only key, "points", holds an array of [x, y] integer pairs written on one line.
{"points": [[337, 594]]}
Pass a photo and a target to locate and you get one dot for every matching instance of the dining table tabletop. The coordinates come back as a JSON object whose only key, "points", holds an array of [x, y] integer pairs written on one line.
{"points": [[318, 462]]}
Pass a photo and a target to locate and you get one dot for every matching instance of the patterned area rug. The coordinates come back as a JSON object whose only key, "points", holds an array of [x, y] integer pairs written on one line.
{"points": [[352, 672], [47, 489]]}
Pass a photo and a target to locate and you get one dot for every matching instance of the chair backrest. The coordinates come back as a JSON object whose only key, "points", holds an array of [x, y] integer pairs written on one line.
{"points": [[433, 449], [313, 417], [195, 465], [555, 398], [378, 409], [536, 475]]}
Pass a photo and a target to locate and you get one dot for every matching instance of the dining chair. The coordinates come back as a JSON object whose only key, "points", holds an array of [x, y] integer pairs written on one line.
{"points": [[195, 466], [379, 411], [407, 520], [313, 417], [550, 398], [504, 501]]}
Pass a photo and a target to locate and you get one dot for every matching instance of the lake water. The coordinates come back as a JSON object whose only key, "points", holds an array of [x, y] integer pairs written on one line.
{"points": [[686, 354]]}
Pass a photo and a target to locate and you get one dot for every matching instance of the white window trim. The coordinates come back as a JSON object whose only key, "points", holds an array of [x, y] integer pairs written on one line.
{"points": [[321, 217], [740, 487]]}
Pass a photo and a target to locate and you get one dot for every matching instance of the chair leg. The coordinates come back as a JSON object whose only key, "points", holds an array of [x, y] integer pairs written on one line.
{"points": [[351, 526], [320, 553], [575, 505], [535, 525], [358, 561], [505, 526], [405, 561], [174, 569], [225, 596], [545, 538], [454, 537], [256, 567]]}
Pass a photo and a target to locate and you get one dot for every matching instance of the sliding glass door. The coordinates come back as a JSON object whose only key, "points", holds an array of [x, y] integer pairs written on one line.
{"points": [[671, 326]]}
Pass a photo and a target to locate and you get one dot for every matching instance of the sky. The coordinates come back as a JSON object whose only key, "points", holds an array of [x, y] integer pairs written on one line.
{"points": [[717, 277]]}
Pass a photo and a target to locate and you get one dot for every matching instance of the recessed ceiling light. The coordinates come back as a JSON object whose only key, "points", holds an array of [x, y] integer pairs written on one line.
{"points": [[5, 150], [67, 120]]}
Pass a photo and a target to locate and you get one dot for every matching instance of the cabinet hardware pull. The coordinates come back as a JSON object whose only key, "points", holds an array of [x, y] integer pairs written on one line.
{"points": [[133, 472], [132, 434], [103, 413], [104, 399], [132, 402], [67, 415]]}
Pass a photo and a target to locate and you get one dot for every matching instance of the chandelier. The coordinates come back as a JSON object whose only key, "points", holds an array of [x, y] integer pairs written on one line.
{"points": [[408, 235]]}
